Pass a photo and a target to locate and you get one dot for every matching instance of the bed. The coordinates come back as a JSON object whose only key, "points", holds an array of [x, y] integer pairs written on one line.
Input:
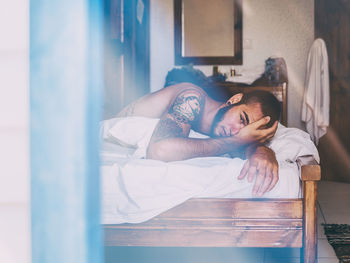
{"points": [[215, 222], [233, 222]]}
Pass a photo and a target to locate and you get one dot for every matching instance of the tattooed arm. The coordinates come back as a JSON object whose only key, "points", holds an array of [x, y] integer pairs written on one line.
{"points": [[170, 140]]}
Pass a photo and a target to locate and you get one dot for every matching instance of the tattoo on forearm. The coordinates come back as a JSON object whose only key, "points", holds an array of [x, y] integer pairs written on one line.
{"points": [[167, 128]]}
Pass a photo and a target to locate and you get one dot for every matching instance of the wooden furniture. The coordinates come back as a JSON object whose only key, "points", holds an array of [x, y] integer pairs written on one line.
{"points": [[215, 222]]}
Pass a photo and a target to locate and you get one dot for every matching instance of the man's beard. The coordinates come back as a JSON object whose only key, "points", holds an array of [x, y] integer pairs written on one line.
{"points": [[219, 117]]}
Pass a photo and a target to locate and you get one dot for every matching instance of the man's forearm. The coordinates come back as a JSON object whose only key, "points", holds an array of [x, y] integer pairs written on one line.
{"points": [[259, 149], [245, 152], [175, 149]]}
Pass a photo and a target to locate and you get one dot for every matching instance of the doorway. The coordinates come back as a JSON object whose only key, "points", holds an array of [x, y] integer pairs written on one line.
{"points": [[126, 53]]}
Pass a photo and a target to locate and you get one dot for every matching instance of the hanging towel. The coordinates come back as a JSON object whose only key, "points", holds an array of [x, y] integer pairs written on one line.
{"points": [[315, 108]]}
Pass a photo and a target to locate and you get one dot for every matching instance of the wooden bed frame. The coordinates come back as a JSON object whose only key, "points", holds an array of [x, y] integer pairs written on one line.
{"points": [[215, 222]]}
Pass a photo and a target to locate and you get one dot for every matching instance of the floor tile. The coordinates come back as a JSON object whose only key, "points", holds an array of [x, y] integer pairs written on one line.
{"points": [[320, 221], [334, 200], [337, 217], [336, 204], [320, 214], [282, 253], [320, 231], [325, 250], [328, 260], [326, 187], [334, 196], [282, 260]]}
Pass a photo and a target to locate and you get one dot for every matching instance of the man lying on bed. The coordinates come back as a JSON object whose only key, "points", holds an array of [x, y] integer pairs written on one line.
{"points": [[242, 124]]}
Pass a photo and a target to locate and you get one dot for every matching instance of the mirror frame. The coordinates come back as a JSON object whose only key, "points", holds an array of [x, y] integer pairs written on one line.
{"points": [[227, 60]]}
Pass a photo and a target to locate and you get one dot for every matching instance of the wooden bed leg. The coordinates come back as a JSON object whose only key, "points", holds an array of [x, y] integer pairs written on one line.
{"points": [[310, 222], [310, 174]]}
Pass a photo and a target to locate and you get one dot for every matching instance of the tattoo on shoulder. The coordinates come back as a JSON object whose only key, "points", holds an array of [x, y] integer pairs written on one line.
{"points": [[167, 128], [187, 106]]}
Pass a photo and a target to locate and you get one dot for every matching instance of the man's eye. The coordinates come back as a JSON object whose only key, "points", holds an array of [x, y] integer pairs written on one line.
{"points": [[242, 119]]}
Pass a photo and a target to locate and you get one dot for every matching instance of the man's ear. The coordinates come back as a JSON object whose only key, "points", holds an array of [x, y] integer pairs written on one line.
{"points": [[235, 99]]}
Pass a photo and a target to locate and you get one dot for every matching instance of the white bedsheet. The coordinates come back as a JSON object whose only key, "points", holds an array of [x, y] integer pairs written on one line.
{"points": [[135, 189]]}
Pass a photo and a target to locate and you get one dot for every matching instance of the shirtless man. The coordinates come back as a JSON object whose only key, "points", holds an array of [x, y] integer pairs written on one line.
{"points": [[241, 124]]}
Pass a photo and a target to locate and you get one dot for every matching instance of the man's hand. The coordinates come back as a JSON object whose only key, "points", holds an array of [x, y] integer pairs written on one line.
{"points": [[254, 132], [262, 165]]}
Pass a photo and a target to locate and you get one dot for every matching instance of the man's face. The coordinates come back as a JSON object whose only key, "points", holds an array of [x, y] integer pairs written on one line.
{"points": [[230, 119]]}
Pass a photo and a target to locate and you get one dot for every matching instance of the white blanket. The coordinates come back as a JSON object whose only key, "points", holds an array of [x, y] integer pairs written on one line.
{"points": [[136, 189]]}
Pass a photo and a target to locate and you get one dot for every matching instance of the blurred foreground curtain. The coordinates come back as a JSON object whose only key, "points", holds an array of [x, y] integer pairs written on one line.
{"points": [[65, 102]]}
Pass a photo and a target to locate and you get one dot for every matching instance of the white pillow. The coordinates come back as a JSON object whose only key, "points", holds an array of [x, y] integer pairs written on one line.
{"points": [[131, 131]]}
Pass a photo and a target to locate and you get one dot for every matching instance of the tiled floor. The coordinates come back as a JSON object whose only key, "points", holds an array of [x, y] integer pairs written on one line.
{"points": [[334, 207]]}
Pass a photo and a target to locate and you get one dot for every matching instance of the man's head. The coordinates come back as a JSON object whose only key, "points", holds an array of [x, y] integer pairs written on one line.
{"points": [[243, 109]]}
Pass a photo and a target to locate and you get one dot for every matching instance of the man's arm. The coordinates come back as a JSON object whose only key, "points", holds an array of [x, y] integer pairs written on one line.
{"points": [[170, 140], [261, 165]]}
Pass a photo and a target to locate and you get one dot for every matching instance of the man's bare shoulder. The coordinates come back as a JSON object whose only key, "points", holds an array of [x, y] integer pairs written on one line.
{"points": [[187, 105], [186, 86], [187, 89], [158, 103]]}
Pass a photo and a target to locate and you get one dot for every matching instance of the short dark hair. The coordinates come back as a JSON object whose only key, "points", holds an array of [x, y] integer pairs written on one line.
{"points": [[270, 105]]}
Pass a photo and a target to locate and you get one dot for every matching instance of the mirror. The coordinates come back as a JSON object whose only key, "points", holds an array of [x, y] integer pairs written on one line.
{"points": [[208, 32]]}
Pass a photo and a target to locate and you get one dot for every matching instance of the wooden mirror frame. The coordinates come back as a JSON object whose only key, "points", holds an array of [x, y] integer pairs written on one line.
{"points": [[226, 60]]}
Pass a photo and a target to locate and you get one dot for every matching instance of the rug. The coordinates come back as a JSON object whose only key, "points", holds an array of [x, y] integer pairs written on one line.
{"points": [[339, 238]]}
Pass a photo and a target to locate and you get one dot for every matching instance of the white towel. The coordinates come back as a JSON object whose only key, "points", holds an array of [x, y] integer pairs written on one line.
{"points": [[315, 108]]}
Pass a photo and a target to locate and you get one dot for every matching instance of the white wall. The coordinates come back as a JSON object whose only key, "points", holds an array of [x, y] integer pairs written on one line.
{"points": [[14, 132], [162, 41], [283, 28]]}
